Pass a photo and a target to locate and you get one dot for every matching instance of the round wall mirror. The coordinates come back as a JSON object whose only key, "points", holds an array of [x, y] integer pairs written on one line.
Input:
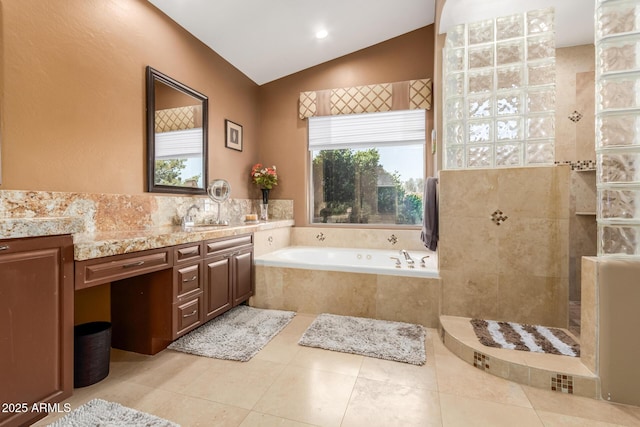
{"points": [[219, 191]]}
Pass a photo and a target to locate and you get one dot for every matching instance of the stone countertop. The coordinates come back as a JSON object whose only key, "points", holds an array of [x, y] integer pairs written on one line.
{"points": [[11, 228], [102, 244]]}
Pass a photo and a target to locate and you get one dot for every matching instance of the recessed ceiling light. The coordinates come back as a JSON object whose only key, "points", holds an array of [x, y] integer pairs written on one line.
{"points": [[322, 34]]}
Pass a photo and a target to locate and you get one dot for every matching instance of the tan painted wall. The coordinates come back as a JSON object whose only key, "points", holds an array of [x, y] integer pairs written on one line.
{"points": [[283, 136], [72, 96]]}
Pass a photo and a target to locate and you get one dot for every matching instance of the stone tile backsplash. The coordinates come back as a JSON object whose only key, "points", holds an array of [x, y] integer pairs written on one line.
{"points": [[113, 212]]}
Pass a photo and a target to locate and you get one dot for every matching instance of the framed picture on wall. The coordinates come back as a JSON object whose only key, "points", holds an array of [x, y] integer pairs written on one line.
{"points": [[233, 135]]}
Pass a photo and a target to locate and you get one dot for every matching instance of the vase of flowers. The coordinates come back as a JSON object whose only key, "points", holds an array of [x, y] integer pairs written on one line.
{"points": [[266, 178]]}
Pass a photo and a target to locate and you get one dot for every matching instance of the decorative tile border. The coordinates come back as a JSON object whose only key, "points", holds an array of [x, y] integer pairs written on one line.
{"points": [[562, 383], [579, 165], [481, 361]]}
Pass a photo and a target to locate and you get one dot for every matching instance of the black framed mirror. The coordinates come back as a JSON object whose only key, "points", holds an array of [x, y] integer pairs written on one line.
{"points": [[177, 129]]}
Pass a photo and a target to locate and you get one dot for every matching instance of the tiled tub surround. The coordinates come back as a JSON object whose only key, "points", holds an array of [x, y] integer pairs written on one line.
{"points": [[350, 237], [397, 298], [354, 260], [515, 269], [109, 224], [404, 299]]}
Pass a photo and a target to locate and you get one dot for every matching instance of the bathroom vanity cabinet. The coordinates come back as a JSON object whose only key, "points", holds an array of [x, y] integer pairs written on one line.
{"points": [[228, 274], [36, 326], [161, 294], [188, 295]]}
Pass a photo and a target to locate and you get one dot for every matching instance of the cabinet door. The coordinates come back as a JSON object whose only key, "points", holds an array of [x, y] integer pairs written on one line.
{"points": [[36, 324], [243, 276], [217, 290]]}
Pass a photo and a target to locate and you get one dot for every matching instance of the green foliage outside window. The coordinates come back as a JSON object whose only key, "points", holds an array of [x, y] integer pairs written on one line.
{"points": [[168, 172], [351, 186]]}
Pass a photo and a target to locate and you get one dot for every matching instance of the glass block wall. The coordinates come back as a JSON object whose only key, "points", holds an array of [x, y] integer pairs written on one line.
{"points": [[499, 92], [618, 126]]}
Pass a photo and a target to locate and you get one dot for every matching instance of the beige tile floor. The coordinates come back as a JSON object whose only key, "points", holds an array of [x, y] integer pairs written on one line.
{"points": [[290, 385]]}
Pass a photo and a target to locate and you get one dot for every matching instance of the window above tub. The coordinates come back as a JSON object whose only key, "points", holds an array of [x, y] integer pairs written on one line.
{"points": [[367, 168]]}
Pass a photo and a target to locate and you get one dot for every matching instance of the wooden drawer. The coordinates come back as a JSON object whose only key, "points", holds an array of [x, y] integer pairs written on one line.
{"points": [[104, 270], [217, 245], [187, 253], [187, 316], [187, 281]]}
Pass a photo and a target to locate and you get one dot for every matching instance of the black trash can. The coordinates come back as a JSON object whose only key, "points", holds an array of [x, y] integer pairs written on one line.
{"points": [[91, 354]]}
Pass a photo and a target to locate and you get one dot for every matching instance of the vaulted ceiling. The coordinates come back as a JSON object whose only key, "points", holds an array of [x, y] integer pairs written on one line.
{"points": [[267, 40]]}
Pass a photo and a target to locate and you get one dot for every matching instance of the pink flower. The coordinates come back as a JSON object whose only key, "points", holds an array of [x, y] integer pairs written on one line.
{"points": [[265, 177]]}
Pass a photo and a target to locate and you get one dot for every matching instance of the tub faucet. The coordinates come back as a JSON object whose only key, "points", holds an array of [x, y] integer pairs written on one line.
{"points": [[407, 257], [398, 264]]}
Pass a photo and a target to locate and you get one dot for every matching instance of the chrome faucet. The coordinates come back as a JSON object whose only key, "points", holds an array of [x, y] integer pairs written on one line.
{"points": [[187, 219], [407, 257]]}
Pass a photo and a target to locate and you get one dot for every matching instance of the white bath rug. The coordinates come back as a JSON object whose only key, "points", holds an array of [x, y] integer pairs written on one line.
{"points": [[382, 339], [519, 336], [238, 334], [98, 412]]}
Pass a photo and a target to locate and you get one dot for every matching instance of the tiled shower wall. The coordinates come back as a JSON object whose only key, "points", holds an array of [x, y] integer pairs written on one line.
{"points": [[575, 106], [575, 145], [504, 244]]}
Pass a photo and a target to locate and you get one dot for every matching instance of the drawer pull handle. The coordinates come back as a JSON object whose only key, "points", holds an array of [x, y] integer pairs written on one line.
{"points": [[189, 280], [194, 312], [4, 248], [133, 264]]}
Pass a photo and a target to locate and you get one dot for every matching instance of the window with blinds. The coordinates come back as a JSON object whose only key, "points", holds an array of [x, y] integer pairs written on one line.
{"points": [[367, 168]]}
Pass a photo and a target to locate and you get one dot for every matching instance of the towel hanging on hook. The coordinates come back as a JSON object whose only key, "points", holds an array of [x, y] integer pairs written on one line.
{"points": [[429, 234]]}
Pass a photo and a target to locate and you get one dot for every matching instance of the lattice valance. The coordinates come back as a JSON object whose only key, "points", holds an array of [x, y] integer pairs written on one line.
{"points": [[179, 118], [407, 95]]}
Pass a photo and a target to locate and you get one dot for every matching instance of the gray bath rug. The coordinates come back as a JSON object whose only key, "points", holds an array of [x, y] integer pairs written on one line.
{"points": [[401, 342], [518, 336], [98, 412], [238, 334]]}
